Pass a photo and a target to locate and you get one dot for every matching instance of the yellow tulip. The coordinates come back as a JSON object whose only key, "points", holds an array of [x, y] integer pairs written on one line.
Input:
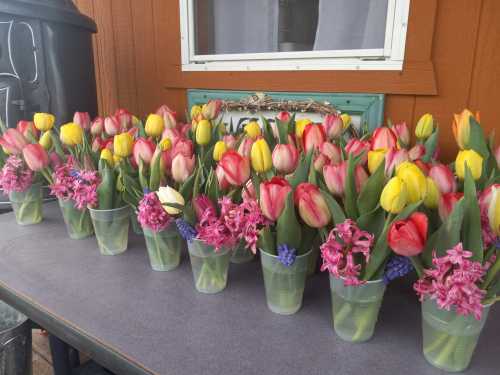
{"points": [[473, 160], [107, 155], [346, 120], [167, 195], [71, 134], [425, 126], [375, 158], [494, 211], [300, 125], [44, 121], [203, 132], [46, 140], [123, 144], [415, 181], [195, 111], [219, 150], [260, 156], [165, 144], [154, 125], [394, 196], [117, 159], [252, 129], [461, 128], [432, 198]]}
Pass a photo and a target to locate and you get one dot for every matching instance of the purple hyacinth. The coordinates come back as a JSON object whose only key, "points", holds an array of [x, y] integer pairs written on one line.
{"points": [[286, 255], [398, 266], [185, 229]]}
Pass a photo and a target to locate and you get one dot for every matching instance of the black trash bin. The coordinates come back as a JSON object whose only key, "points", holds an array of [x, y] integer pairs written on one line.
{"points": [[46, 60]]}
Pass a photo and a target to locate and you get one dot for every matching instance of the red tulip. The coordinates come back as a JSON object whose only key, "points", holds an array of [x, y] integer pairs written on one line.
{"points": [[25, 127], [424, 167], [97, 126], [143, 150], [402, 132], [13, 141], [444, 178], [35, 157], [273, 195], [416, 152], [393, 158], [357, 147], [312, 206], [333, 125], [285, 158], [182, 167], [124, 118], [112, 125], [222, 180], [82, 119], [408, 237], [245, 147], [236, 168], [313, 137], [169, 116], [447, 203], [284, 116], [383, 139]]}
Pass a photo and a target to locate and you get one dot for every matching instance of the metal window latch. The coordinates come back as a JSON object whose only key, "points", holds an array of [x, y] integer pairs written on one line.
{"points": [[374, 58], [21, 103]]}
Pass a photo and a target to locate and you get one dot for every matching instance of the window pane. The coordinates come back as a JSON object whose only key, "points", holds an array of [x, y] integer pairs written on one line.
{"points": [[256, 26]]}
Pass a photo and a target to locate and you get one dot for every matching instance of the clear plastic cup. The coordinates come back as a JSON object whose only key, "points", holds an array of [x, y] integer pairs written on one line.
{"points": [[164, 248], [241, 254], [136, 227], [27, 205], [78, 222], [111, 229]]}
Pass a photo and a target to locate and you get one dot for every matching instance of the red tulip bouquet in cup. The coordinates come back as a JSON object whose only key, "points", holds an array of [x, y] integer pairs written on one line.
{"points": [[458, 264]]}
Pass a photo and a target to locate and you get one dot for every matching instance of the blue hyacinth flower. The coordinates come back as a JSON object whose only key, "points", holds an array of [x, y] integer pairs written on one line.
{"points": [[186, 230], [398, 266], [286, 255]]}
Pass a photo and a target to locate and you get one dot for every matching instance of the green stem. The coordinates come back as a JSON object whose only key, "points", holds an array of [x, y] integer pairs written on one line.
{"points": [[364, 322], [492, 273], [447, 351]]}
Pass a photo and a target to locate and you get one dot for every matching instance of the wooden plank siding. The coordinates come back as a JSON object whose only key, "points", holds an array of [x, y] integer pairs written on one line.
{"points": [[137, 54]]}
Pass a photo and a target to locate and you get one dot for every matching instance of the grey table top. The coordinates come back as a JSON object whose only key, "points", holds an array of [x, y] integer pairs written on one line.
{"points": [[157, 323]]}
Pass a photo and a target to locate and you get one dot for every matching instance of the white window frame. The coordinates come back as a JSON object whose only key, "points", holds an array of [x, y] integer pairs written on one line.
{"points": [[391, 57]]}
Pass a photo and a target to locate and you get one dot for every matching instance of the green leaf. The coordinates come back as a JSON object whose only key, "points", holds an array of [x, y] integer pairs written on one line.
{"points": [[288, 227], [430, 146], [142, 175], [186, 188], [302, 172], [282, 131], [477, 140], [308, 236], [373, 222], [155, 178], [256, 184], [472, 238], [335, 209], [107, 188], [268, 132], [213, 187], [350, 195], [369, 196], [267, 241]]}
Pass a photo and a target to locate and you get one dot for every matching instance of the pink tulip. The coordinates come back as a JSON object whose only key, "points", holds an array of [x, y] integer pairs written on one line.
{"points": [[360, 177], [312, 205], [284, 116], [184, 147], [173, 134], [245, 147], [285, 158], [444, 178], [212, 109], [320, 161], [393, 158], [335, 176], [27, 127], [332, 152], [248, 193], [124, 118], [273, 195], [230, 141], [112, 125], [424, 167], [383, 139], [224, 184], [356, 147], [236, 168], [416, 152], [485, 197], [97, 126], [497, 156], [182, 167], [82, 119], [313, 137], [13, 141], [97, 144], [447, 203], [333, 125], [35, 157], [143, 150], [402, 132], [169, 116]]}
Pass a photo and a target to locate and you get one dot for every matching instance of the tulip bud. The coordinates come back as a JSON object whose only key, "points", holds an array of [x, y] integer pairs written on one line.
{"points": [[408, 237], [355, 147], [261, 156], [203, 132], [97, 144], [414, 179], [447, 203], [432, 198], [212, 109], [124, 118], [182, 167], [35, 157], [383, 139], [13, 141], [424, 167], [44, 121], [245, 147], [221, 179], [122, 145], [393, 159], [402, 132], [300, 125], [230, 141], [312, 205], [284, 117], [285, 158], [248, 193], [117, 159], [143, 150], [97, 126], [154, 126], [167, 196], [195, 111], [112, 125], [46, 140], [107, 155], [236, 168], [219, 150], [71, 134], [82, 119], [26, 128], [494, 210], [168, 116], [473, 160], [273, 195], [425, 126], [416, 152], [252, 130], [461, 128], [333, 125], [313, 137], [165, 144], [332, 152], [443, 177], [335, 176], [375, 158], [394, 196], [346, 120]]}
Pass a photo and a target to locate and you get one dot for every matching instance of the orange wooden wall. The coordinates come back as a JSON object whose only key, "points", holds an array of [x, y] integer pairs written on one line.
{"points": [[138, 42]]}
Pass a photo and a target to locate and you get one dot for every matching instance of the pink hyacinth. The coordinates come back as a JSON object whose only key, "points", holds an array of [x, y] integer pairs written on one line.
{"points": [[453, 282], [151, 214], [85, 186], [15, 176], [338, 252], [62, 187], [212, 230]]}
